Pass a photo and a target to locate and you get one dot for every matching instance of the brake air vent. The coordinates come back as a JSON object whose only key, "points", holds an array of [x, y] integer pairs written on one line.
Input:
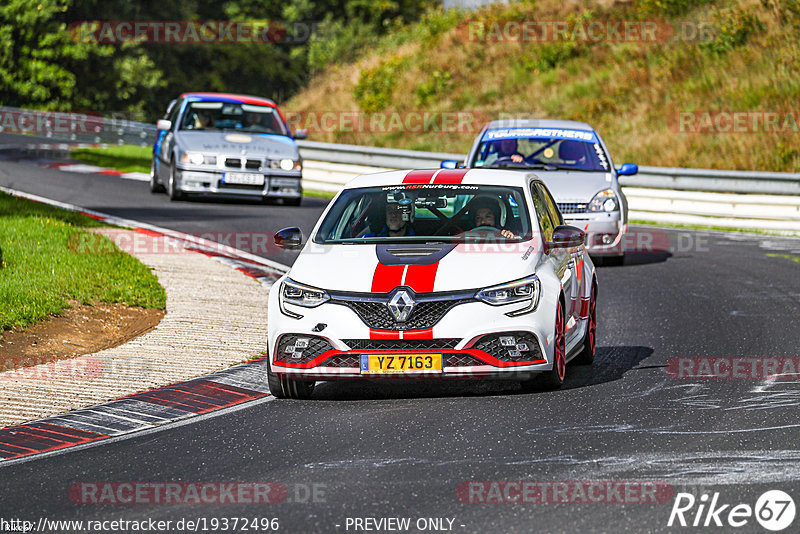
{"points": [[411, 252]]}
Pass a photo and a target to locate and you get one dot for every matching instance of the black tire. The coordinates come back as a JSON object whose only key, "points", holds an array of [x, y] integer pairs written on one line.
{"points": [[172, 190], [293, 201], [155, 185], [288, 388], [586, 356], [610, 261], [554, 378]]}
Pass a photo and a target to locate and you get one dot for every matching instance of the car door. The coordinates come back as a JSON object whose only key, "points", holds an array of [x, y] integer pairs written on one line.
{"points": [[168, 140], [564, 262]]}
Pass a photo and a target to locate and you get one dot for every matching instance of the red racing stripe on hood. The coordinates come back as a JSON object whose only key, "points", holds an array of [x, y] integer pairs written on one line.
{"points": [[450, 176], [420, 278], [420, 176], [386, 277]]}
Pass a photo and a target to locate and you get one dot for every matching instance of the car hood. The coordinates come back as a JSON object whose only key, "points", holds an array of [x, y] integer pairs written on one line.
{"points": [[235, 143], [357, 268], [568, 186]]}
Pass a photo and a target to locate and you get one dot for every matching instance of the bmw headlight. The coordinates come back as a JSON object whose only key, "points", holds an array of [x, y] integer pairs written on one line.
{"points": [[292, 292], [525, 290], [287, 164], [196, 158], [605, 200]]}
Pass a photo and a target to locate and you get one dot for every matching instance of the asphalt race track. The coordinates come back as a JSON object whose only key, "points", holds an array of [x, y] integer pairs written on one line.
{"points": [[394, 449]]}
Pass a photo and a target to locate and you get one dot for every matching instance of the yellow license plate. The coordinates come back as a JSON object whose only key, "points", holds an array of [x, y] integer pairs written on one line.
{"points": [[374, 364]]}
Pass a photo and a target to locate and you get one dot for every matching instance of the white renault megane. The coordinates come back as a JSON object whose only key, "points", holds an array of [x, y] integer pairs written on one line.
{"points": [[448, 273]]}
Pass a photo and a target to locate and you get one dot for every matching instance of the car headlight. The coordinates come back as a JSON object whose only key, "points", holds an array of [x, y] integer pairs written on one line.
{"points": [[525, 290], [292, 292], [196, 158], [605, 200], [287, 164]]}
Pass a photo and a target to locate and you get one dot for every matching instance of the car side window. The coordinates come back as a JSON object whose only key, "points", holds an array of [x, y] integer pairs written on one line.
{"points": [[552, 207], [173, 114], [542, 214]]}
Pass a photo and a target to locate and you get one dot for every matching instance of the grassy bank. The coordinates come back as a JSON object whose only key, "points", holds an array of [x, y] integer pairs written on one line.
{"points": [[724, 56], [41, 272], [126, 158]]}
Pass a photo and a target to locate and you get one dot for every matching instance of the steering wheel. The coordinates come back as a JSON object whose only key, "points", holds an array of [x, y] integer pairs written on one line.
{"points": [[447, 225], [485, 229], [506, 160]]}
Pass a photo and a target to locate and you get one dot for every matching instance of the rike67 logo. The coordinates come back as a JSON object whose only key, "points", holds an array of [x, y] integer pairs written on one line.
{"points": [[774, 510]]}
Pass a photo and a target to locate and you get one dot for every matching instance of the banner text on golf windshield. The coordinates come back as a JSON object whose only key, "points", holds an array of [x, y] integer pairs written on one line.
{"points": [[194, 524]]}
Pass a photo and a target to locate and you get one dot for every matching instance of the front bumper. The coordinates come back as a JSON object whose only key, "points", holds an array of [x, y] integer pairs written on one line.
{"points": [[605, 232], [468, 347], [277, 184]]}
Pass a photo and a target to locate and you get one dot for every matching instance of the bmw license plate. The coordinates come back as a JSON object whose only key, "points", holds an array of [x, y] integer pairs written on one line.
{"points": [[243, 178], [377, 364]]}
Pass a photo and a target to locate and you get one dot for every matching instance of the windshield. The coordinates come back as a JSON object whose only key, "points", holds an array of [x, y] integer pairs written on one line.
{"points": [[232, 116], [541, 148], [414, 213]]}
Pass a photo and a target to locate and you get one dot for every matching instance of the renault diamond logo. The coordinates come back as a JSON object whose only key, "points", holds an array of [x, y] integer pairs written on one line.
{"points": [[401, 305]]}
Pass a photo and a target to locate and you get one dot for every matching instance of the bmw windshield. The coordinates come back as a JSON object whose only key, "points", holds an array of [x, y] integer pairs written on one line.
{"points": [[232, 116], [435, 213], [541, 148]]}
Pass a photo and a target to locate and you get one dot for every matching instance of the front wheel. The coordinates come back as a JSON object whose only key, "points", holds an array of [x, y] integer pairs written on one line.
{"points": [[586, 356], [554, 378], [172, 189], [282, 387], [293, 201], [155, 185]]}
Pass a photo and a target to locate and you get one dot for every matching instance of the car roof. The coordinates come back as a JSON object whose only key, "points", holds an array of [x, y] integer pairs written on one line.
{"points": [[538, 123], [437, 176], [230, 97]]}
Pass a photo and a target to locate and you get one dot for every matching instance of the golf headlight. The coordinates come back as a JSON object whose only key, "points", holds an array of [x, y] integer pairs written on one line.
{"points": [[302, 295], [195, 158], [524, 290], [605, 200], [287, 164]]}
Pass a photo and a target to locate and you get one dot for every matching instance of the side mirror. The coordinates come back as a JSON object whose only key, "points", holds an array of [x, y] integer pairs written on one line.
{"points": [[301, 134], [289, 238], [163, 124], [567, 237], [627, 169], [449, 164]]}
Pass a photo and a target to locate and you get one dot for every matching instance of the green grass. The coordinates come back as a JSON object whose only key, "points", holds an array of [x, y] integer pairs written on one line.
{"points": [[126, 158], [42, 269]]}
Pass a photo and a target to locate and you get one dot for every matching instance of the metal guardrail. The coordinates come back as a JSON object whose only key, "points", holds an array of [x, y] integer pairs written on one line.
{"points": [[775, 183]]}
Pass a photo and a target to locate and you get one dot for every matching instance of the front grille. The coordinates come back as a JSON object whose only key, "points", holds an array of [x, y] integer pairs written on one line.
{"points": [[402, 344], [295, 348], [461, 360], [525, 346], [343, 361], [571, 207], [223, 185], [254, 164], [233, 162], [425, 314]]}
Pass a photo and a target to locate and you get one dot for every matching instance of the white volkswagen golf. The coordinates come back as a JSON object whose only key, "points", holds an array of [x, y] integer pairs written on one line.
{"points": [[447, 273]]}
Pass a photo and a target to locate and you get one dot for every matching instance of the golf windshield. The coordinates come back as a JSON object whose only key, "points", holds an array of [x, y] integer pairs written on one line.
{"points": [[541, 148], [233, 116], [427, 213]]}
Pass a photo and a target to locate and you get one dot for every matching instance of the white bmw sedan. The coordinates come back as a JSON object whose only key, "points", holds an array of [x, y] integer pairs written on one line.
{"points": [[448, 273]]}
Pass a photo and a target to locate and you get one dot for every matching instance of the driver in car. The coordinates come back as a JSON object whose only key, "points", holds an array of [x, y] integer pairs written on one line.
{"points": [[485, 212], [396, 224], [507, 148]]}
